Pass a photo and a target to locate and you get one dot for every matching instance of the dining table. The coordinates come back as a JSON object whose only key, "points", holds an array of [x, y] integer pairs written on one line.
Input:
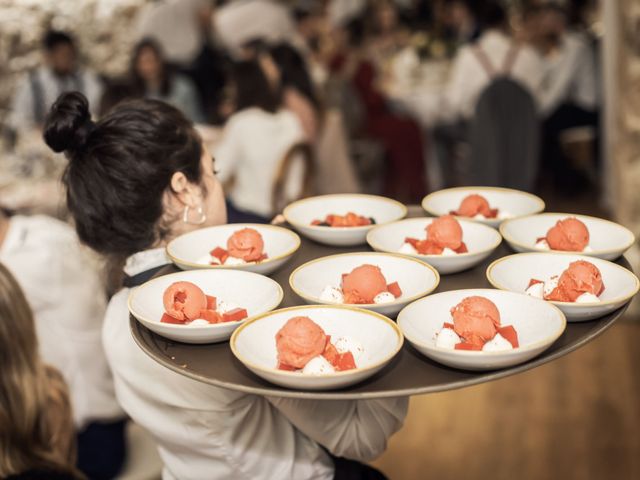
{"points": [[409, 373]]}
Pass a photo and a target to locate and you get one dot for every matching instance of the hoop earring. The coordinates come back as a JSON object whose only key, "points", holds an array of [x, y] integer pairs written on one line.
{"points": [[202, 217]]}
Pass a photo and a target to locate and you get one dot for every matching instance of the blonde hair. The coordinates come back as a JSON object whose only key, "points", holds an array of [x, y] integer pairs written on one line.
{"points": [[34, 433]]}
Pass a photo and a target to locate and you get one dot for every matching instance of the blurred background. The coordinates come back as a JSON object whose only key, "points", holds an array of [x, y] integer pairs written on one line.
{"points": [[394, 97]]}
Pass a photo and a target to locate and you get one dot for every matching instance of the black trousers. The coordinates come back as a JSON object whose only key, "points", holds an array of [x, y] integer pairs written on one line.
{"points": [[102, 449]]}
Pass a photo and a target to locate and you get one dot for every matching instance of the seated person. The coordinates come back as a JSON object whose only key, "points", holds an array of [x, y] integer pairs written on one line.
{"points": [[59, 73], [37, 438], [66, 295]]}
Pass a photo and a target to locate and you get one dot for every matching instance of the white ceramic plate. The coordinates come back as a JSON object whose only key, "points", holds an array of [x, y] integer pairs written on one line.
{"points": [[513, 203], [608, 240], [537, 323], [256, 293], [481, 241], [191, 250], [300, 214], [254, 344], [415, 278], [514, 272]]}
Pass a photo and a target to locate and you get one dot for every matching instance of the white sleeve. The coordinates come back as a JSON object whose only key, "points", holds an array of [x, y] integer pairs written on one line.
{"points": [[92, 90], [456, 94], [585, 90], [356, 429], [21, 116], [227, 151]]}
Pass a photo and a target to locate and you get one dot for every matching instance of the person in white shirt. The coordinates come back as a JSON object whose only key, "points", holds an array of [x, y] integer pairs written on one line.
{"points": [[59, 73], [239, 22], [255, 140], [68, 300], [143, 169]]}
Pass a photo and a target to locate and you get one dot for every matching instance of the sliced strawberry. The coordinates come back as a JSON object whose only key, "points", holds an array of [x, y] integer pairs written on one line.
{"points": [[510, 334], [493, 213], [539, 239], [234, 315], [344, 361], [284, 366], [467, 346], [211, 316], [166, 318], [330, 353], [533, 281], [394, 289], [447, 325], [462, 248], [220, 253], [316, 222], [211, 303]]}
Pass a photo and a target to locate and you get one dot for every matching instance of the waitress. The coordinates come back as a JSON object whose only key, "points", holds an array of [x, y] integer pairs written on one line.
{"points": [[136, 179]]}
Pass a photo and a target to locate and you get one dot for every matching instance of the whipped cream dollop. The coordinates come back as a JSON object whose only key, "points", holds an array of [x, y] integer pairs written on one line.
{"points": [[348, 344], [384, 297], [497, 344], [200, 322], [318, 366], [447, 338], [332, 294], [407, 249]]}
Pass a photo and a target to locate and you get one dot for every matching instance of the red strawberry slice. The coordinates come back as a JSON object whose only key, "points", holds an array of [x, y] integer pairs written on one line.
{"points": [[510, 334], [394, 289], [211, 303], [467, 346], [211, 316], [234, 315], [220, 253], [166, 318]]}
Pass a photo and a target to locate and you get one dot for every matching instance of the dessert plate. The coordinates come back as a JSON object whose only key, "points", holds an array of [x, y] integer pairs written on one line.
{"points": [[256, 293], [415, 278], [254, 344], [608, 240], [481, 241], [191, 250], [300, 214], [537, 323], [510, 203], [514, 272]]}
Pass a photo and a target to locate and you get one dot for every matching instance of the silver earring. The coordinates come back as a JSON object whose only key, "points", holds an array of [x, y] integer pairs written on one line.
{"points": [[201, 218]]}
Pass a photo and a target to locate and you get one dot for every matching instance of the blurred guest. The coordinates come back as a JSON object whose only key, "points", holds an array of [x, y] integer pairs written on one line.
{"points": [[66, 295], [144, 166], [463, 20], [179, 27], [256, 138], [387, 35], [494, 54], [59, 73], [153, 78], [238, 22], [324, 128], [405, 177], [570, 95], [37, 438]]}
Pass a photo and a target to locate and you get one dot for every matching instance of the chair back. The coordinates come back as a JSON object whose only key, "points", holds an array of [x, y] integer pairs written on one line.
{"points": [[504, 137], [293, 179]]}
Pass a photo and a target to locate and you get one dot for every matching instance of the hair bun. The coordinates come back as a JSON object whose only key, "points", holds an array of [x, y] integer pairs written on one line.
{"points": [[68, 123]]}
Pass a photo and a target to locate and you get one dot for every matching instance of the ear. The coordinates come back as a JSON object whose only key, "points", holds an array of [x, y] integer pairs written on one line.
{"points": [[184, 191]]}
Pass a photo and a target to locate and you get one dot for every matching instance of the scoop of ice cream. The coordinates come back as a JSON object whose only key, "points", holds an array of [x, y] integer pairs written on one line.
{"points": [[446, 232], [246, 244], [569, 234], [363, 284], [581, 277], [475, 204], [184, 300], [299, 340], [476, 319]]}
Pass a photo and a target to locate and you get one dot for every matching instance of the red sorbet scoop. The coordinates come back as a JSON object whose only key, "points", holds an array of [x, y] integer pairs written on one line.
{"points": [[298, 341], [476, 319], [363, 284], [184, 301], [246, 244], [570, 235]]}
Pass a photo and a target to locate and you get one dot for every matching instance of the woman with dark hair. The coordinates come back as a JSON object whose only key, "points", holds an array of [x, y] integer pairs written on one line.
{"points": [[137, 178], [255, 140], [153, 78], [37, 438]]}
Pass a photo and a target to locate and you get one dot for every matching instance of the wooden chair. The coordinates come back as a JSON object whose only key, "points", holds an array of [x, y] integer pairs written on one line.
{"points": [[285, 188]]}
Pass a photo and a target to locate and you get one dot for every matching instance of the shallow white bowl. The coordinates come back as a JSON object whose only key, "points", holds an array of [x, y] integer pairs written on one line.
{"points": [[514, 272], [481, 241], [608, 240], [254, 344], [191, 250], [537, 323], [300, 214], [515, 202], [256, 293], [415, 278]]}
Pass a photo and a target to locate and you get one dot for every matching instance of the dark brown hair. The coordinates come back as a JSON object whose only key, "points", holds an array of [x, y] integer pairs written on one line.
{"points": [[120, 167]]}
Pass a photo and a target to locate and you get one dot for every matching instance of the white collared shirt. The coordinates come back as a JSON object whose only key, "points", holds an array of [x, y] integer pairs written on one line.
{"points": [[208, 432], [68, 301], [251, 149], [570, 75]]}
